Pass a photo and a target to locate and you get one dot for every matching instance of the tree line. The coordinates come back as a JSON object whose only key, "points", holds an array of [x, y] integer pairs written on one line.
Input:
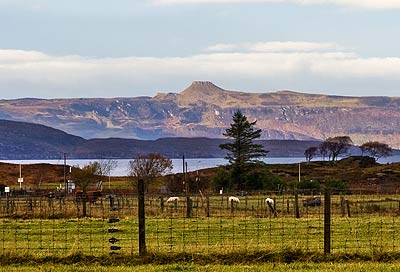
{"points": [[333, 147]]}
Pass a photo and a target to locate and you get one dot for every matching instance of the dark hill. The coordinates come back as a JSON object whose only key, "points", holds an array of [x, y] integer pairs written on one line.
{"points": [[19, 140]]}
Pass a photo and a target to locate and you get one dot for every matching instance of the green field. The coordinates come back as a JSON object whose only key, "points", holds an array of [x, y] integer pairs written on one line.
{"points": [[40, 228]]}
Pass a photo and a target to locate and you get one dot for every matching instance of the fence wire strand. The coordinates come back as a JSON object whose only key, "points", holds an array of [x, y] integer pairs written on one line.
{"points": [[52, 227]]}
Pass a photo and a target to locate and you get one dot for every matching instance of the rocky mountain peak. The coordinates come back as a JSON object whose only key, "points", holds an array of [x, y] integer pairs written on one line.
{"points": [[203, 87], [200, 91]]}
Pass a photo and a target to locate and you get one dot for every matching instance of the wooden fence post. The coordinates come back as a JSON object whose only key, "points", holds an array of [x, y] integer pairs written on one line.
{"points": [[296, 203], [162, 204], [189, 206], [287, 206], [141, 215], [327, 222], [348, 208], [208, 206], [342, 205]]}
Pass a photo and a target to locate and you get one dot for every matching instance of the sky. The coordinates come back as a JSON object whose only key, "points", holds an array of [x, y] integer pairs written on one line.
{"points": [[127, 48]]}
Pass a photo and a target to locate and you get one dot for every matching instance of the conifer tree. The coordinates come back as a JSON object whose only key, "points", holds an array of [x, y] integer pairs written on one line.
{"points": [[242, 152]]}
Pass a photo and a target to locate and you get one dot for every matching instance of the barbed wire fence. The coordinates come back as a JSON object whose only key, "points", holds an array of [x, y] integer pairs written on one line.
{"points": [[50, 226]]}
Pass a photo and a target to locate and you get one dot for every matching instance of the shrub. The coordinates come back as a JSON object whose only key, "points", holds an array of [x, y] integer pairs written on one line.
{"points": [[310, 186], [223, 179], [262, 179]]}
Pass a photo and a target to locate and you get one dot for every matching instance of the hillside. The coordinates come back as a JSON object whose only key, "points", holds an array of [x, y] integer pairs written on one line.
{"points": [[375, 178], [20, 140], [205, 110]]}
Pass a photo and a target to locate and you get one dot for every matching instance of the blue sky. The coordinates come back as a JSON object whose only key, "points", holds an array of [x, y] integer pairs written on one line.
{"points": [[53, 48]]}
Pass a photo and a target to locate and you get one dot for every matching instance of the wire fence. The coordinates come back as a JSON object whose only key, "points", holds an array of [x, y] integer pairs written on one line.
{"points": [[51, 226]]}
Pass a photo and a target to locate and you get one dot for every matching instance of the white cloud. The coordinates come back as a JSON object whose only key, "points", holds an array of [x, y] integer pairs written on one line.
{"points": [[371, 4], [31, 73], [289, 46]]}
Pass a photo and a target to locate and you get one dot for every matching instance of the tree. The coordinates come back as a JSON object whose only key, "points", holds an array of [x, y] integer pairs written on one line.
{"points": [[104, 167], [310, 153], [376, 149], [83, 178], [323, 150], [148, 167], [337, 145], [242, 152]]}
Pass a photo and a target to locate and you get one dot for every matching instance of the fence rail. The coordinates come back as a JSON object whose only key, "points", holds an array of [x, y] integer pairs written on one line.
{"points": [[44, 226]]}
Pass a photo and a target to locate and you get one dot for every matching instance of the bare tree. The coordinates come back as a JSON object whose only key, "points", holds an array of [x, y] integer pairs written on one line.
{"points": [[324, 151], [376, 149], [104, 168], [148, 167], [310, 153]]}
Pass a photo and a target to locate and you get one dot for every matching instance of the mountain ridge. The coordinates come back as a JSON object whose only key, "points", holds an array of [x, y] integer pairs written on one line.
{"points": [[205, 110]]}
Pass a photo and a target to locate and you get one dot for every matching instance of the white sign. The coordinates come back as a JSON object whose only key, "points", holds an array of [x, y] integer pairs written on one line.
{"points": [[6, 189], [20, 180]]}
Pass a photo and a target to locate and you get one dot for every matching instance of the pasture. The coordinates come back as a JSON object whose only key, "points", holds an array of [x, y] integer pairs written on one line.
{"points": [[43, 227]]}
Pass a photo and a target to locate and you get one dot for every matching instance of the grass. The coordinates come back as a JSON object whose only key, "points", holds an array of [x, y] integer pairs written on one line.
{"points": [[290, 261], [248, 231], [278, 267], [90, 236]]}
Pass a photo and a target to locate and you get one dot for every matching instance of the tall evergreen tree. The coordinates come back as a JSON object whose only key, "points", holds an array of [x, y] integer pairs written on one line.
{"points": [[242, 152]]}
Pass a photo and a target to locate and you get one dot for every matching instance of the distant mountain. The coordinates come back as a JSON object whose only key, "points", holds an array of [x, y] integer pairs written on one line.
{"points": [[20, 140], [205, 110]]}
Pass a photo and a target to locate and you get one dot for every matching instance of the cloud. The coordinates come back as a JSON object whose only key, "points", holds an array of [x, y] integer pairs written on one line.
{"points": [[274, 47], [260, 66], [371, 4]]}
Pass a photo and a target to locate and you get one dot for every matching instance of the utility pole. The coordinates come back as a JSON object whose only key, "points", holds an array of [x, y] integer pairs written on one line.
{"points": [[299, 171], [183, 173], [20, 179]]}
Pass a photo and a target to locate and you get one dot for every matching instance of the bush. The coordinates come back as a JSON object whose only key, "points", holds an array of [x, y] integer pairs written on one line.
{"points": [[309, 186], [257, 177], [262, 179], [367, 162], [338, 186], [223, 179]]}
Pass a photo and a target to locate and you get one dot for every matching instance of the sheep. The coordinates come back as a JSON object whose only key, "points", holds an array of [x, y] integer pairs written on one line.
{"points": [[173, 199], [312, 201], [269, 201], [234, 202], [234, 199]]}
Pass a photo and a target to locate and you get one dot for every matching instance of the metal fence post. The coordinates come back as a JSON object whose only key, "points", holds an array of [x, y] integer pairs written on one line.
{"points": [[327, 221], [141, 215]]}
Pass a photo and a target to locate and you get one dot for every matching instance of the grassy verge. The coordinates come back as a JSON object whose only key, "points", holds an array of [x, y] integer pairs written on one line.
{"points": [[276, 267], [243, 258]]}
